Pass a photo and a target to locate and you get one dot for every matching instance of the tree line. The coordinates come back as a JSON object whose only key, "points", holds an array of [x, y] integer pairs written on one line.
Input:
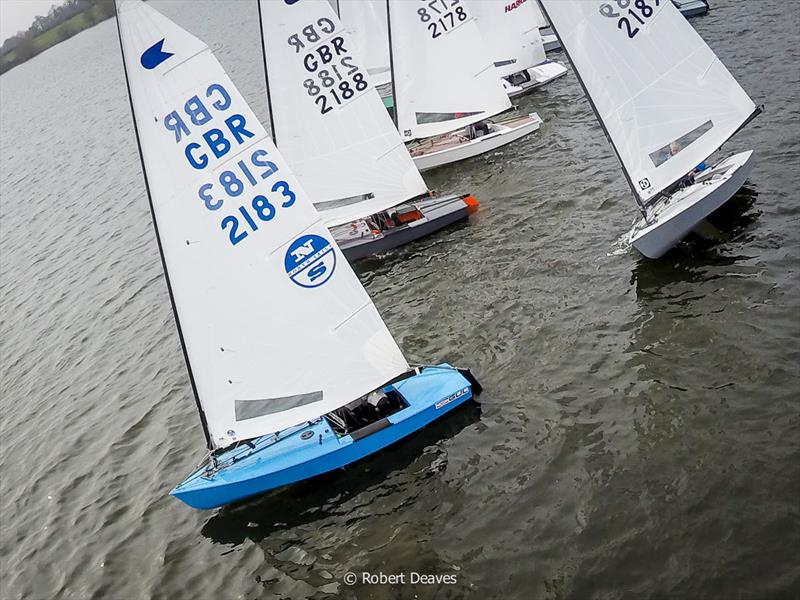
{"points": [[61, 22]]}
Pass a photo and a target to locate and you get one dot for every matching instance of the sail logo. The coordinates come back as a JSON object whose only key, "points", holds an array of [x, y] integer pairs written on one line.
{"points": [[310, 261], [515, 4], [154, 55]]}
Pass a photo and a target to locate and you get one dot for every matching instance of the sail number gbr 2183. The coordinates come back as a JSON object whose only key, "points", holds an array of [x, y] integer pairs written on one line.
{"points": [[630, 13], [333, 77], [235, 181]]}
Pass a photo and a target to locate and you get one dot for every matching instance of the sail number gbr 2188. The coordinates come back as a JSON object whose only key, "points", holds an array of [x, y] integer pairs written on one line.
{"points": [[333, 77], [630, 13]]}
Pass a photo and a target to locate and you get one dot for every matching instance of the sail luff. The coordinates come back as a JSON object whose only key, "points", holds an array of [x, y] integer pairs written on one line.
{"points": [[597, 114], [266, 300], [391, 64], [201, 412]]}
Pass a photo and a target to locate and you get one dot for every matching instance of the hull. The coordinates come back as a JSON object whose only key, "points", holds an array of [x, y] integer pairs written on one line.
{"points": [[437, 213], [549, 40], [454, 147], [673, 219], [539, 75], [312, 449], [691, 8]]}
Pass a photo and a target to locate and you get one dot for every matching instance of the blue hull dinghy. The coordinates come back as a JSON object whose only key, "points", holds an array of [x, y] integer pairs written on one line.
{"points": [[333, 441], [287, 356]]}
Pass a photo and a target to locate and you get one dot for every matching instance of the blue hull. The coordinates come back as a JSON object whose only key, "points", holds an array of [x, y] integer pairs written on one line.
{"points": [[311, 449]]}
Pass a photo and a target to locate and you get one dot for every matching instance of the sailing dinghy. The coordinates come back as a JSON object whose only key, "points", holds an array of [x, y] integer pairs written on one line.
{"points": [[333, 129], [666, 103], [293, 370], [445, 86], [515, 42]]}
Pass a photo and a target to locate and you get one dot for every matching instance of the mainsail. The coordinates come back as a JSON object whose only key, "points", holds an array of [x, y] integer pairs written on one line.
{"points": [[328, 121], [511, 33], [664, 98], [443, 76], [365, 20], [276, 327]]}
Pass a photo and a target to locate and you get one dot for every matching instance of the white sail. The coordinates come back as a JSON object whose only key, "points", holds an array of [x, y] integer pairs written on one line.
{"points": [[366, 22], [665, 99], [444, 77], [329, 122], [275, 324], [511, 33]]}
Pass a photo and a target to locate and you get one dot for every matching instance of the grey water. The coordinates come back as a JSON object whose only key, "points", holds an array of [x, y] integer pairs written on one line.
{"points": [[639, 433]]}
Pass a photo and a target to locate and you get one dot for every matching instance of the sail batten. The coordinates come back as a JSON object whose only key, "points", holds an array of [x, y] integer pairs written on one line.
{"points": [[333, 127], [664, 99], [260, 290]]}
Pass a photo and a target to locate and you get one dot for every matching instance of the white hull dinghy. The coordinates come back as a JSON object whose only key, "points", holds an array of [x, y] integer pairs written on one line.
{"points": [[332, 127], [443, 108], [469, 141], [666, 104], [294, 372], [523, 82], [691, 8], [511, 32], [674, 216]]}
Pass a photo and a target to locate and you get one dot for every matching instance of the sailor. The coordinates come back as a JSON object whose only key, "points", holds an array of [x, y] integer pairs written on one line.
{"points": [[481, 128]]}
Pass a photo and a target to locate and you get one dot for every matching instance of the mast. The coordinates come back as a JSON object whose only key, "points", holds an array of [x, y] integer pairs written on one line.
{"points": [[391, 63], [266, 76], [203, 421], [636, 197]]}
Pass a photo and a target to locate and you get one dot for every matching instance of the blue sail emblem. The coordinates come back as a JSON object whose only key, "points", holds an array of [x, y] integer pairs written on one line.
{"points": [[310, 261], [154, 55]]}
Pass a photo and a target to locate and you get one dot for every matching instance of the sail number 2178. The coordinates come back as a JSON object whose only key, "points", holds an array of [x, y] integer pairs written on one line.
{"points": [[639, 12]]}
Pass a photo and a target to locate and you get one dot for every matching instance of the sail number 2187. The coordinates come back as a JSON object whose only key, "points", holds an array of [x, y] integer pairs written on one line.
{"points": [[639, 12]]}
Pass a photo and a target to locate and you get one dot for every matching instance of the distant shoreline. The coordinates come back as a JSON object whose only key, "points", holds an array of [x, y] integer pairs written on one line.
{"points": [[26, 46]]}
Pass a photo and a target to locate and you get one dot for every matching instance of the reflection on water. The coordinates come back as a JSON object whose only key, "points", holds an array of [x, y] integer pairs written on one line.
{"points": [[329, 495]]}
